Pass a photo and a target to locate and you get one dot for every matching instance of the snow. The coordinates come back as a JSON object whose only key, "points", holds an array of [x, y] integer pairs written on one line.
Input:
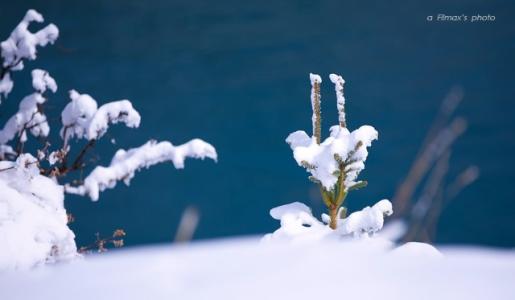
{"points": [[299, 225], [29, 117], [113, 112], [83, 118], [54, 157], [368, 221], [5, 151], [341, 151], [320, 159], [6, 85], [247, 269], [41, 80], [316, 100], [340, 99], [125, 163], [21, 45], [33, 221]]}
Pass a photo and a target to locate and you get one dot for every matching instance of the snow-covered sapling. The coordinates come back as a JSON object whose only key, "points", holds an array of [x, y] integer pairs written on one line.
{"points": [[334, 163]]}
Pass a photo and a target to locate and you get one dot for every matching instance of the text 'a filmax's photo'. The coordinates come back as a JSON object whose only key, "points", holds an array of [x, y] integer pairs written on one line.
{"points": [[463, 18]]}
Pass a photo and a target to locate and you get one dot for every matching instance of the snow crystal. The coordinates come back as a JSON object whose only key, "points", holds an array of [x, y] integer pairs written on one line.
{"points": [[125, 163]]}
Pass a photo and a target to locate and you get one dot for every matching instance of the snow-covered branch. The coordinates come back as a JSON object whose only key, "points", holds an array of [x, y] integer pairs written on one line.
{"points": [[81, 117], [316, 102], [21, 45], [325, 160], [340, 99], [125, 163], [29, 116]]}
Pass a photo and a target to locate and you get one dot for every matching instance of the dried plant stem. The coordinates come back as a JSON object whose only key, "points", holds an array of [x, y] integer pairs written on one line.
{"points": [[431, 153]]}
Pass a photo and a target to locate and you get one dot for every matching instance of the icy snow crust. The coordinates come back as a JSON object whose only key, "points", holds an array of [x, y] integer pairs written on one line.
{"points": [[246, 269]]}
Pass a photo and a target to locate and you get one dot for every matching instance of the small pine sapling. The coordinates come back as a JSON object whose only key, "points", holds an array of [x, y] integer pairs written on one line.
{"points": [[334, 163]]}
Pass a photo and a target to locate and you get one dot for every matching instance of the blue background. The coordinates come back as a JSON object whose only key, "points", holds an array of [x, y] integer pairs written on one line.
{"points": [[235, 73]]}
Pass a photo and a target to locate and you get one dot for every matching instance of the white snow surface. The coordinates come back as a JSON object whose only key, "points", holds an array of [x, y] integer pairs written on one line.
{"points": [[322, 157], [247, 269], [33, 221], [125, 163]]}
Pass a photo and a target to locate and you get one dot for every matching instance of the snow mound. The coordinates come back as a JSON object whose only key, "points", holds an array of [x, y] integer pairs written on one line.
{"points": [[33, 221]]}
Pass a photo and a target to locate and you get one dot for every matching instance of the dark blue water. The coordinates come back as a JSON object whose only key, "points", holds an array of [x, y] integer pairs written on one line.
{"points": [[235, 73]]}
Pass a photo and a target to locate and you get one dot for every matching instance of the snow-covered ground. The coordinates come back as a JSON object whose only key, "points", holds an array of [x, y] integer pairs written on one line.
{"points": [[247, 269]]}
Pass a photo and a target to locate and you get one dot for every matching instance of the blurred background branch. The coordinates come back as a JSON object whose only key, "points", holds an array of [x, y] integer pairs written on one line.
{"points": [[424, 192]]}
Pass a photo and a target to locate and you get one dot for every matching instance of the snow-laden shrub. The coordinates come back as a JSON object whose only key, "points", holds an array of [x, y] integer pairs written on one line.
{"points": [[33, 220], [334, 165]]}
